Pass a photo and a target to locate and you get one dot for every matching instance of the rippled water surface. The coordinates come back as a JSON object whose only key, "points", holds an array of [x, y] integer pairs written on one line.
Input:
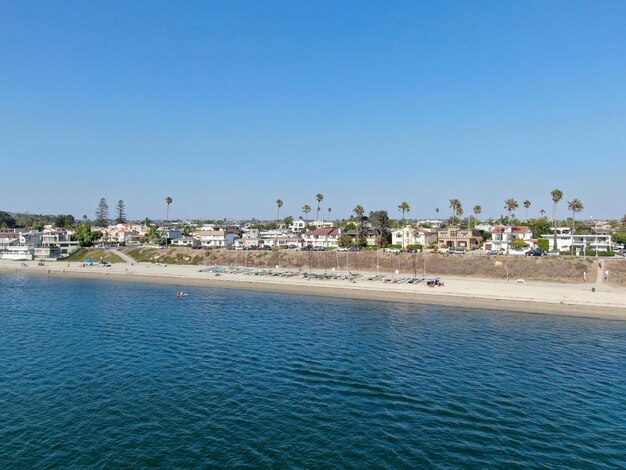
{"points": [[115, 375]]}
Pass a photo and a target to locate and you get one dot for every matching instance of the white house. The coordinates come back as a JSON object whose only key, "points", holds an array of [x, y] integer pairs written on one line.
{"points": [[502, 238], [413, 236], [298, 226], [211, 238], [324, 237], [581, 243], [189, 242]]}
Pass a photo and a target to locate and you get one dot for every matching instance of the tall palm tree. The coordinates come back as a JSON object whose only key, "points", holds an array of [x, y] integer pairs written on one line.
{"points": [[306, 209], [557, 195], [510, 205], [168, 201], [319, 198], [330, 209], [279, 204], [404, 207], [454, 205], [575, 205], [359, 211], [543, 213], [477, 211], [526, 205]]}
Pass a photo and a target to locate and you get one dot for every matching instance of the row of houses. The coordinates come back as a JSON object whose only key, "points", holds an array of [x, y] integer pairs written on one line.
{"points": [[55, 242], [49, 243]]}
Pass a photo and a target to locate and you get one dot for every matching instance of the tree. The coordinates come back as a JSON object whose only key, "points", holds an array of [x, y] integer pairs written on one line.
{"points": [[168, 201], [6, 220], [557, 195], [121, 212], [358, 211], [380, 222], [543, 243], [575, 205], [454, 205], [345, 240], [539, 227], [526, 205], [542, 212], [319, 198], [518, 244], [279, 204], [288, 221], [404, 207], [153, 236], [510, 205], [102, 213], [477, 210], [85, 237], [329, 211], [306, 209]]}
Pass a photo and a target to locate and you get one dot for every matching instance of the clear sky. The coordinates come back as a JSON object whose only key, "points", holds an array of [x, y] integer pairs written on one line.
{"points": [[227, 106]]}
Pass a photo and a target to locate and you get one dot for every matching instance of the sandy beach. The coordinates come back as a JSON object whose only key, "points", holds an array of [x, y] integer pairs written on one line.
{"points": [[532, 297]]}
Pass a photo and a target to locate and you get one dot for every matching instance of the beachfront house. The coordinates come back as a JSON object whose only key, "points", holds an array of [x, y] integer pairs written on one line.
{"points": [[456, 237], [187, 242], [297, 226], [409, 235], [502, 238], [211, 238], [565, 240], [322, 237]]}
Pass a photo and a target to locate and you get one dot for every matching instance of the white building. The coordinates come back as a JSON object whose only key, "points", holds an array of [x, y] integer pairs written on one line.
{"points": [[413, 236], [502, 238], [581, 243], [324, 237]]}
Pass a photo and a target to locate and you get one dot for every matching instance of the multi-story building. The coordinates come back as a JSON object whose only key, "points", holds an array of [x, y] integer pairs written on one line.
{"points": [[502, 237], [324, 237], [456, 237], [408, 235], [565, 240]]}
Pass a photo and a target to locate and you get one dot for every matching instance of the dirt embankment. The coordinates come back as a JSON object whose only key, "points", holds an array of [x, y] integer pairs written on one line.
{"points": [[617, 271], [493, 267]]}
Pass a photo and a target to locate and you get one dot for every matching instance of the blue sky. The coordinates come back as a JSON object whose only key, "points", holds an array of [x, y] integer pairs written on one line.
{"points": [[228, 106]]}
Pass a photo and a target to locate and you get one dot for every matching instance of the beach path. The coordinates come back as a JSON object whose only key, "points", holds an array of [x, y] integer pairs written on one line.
{"points": [[126, 258]]}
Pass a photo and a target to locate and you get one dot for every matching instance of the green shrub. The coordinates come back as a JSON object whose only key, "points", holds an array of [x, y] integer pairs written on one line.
{"points": [[417, 246], [543, 244]]}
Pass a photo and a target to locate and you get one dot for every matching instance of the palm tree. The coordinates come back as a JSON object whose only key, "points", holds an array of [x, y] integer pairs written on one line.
{"points": [[404, 207], [526, 205], [557, 195], [168, 201], [306, 209], [359, 211], [543, 213], [319, 198], [510, 205], [279, 204], [477, 211], [330, 209], [575, 205], [454, 205]]}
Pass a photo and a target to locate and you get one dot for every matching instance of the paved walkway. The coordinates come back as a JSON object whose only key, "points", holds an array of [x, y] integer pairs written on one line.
{"points": [[126, 258]]}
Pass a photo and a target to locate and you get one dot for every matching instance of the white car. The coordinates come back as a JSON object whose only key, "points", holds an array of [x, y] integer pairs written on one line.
{"points": [[393, 250], [343, 248]]}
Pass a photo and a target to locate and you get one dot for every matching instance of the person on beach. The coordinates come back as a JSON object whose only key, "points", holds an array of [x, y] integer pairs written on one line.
{"points": [[585, 276]]}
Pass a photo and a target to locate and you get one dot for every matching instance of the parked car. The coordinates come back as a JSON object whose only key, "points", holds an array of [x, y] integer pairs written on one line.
{"points": [[435, 251], [266, 248], [554, 253], [496, 252], [292, 246], [537, 252], [306, 248], [355, 248], [393, 250], [456, 251], [343, 248], [318, 248]]}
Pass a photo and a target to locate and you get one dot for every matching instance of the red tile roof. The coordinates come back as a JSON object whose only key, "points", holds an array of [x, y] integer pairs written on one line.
{"points": [[514, 229]]}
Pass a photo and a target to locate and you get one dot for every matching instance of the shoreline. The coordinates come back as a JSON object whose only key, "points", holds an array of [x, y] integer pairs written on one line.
{"points": [[529, 297]]}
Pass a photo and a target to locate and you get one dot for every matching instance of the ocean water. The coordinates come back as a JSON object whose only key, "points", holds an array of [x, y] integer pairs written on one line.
{"points": [[115, 375]]}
